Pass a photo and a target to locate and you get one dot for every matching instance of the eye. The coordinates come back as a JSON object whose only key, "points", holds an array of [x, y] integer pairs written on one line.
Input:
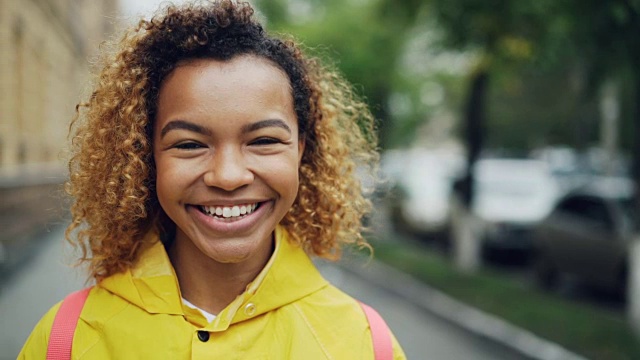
{"points": [[188, 145], [265, 141]]}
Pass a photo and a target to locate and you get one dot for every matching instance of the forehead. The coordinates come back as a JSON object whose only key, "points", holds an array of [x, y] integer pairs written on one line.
{"points": [[207, 75], [242, 87], [236, 69]]}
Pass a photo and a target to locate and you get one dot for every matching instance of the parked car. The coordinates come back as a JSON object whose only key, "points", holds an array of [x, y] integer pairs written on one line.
{"points": [[420, 198], [588, 235], [511, 197]]}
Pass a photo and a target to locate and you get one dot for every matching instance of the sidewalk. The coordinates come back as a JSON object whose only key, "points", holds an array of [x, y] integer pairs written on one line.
{"points": [[473, 320], [32, 203], [41, 281]]}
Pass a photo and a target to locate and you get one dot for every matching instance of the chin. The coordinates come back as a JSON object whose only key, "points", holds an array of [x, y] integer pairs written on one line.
{"points": [[234, 251]]}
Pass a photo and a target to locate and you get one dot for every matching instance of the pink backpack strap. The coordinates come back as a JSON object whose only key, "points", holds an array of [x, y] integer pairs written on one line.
{"points": [[380, 334], [64, 325]]}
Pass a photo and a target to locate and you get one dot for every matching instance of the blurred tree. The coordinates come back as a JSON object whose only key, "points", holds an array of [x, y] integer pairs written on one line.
{"points": [[536, 106], [364, 39], [583, 45], [558, 41], [605, 35], [501, 33]]}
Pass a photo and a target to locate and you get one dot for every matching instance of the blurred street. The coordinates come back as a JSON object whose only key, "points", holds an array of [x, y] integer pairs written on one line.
{"points": [[506, 218], [421, 334], [45, 279], [36, 285]]}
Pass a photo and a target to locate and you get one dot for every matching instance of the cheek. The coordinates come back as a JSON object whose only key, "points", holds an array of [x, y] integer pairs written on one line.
{"points": [[280, 173], [168, 181], [286, 175]]}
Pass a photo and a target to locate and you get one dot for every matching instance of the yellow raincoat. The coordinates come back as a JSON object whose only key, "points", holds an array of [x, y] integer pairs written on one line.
{"points": [[288, 312]]}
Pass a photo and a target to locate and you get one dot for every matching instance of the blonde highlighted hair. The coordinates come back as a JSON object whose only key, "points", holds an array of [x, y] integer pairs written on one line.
{"points": [[112, 172]]}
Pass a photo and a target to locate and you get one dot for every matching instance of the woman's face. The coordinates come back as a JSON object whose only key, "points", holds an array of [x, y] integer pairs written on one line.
{"points": [[227, 154]]}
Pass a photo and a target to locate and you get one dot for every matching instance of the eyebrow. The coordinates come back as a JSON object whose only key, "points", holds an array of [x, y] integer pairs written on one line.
{"points": [[184, 125], [189, 126], [266, 123]]}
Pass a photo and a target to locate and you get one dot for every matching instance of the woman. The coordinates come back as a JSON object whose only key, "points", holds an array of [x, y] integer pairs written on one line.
{"points": [[210, 160]]}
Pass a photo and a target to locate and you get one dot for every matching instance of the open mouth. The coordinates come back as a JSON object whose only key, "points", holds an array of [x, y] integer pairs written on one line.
{"points": [[229, 213]]}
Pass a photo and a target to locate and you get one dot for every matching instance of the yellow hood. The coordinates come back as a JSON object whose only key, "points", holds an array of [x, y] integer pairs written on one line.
{"points": [[288, 312], [152, 284]]}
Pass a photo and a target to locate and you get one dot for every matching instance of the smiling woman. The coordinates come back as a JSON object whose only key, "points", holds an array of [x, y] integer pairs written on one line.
{"points": [[226, 138], [210, 161]]}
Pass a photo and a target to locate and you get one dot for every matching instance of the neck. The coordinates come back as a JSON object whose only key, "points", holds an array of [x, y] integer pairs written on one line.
{"points": [[208, 284]]}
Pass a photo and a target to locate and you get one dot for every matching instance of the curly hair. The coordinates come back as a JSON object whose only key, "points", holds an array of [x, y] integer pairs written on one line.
{"points": [[112, 171]]}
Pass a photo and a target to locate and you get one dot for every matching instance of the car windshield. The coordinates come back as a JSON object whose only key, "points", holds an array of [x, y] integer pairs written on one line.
{"points": [[513, 190], [513, 178]]}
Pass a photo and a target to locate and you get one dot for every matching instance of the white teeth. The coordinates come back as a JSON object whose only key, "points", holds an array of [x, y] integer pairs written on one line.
{"points": [[235, 211], [227, 212]]}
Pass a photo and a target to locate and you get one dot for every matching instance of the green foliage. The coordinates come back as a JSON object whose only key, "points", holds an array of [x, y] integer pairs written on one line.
{"points": [[365, 40], [536, 44], [511, 29], [530, 43], [605, 34], [536, 107]]}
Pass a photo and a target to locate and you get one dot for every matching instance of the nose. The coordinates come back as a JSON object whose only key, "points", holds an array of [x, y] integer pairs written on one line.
{"points": [[228, 170]]}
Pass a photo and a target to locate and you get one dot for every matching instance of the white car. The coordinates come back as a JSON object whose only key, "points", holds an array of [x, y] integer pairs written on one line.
{"points": [[423, 187], [511, 196]]}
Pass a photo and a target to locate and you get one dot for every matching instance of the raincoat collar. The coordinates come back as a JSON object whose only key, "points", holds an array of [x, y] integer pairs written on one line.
{"points": [[152, 285]]}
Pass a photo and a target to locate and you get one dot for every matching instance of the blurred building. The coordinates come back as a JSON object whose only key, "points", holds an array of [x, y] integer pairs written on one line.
{"points": [[45, 47]]}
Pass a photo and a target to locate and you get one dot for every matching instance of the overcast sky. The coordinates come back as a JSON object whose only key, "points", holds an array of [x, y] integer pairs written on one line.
{"points": [[143, 7]]}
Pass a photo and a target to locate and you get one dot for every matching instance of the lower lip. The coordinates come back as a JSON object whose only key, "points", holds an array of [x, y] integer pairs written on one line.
{"points": [[225, 226]]}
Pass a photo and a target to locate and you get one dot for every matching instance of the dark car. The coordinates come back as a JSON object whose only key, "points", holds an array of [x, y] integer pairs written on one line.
{"points": [[588, 235]]}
